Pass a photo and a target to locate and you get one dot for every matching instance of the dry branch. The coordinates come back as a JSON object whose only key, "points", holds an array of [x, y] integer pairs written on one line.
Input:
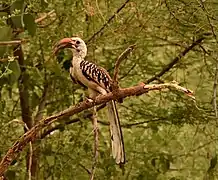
{"points": [[32, 134], [176, 59], [14, 42], [122, 56], [45, 16], [108, 21]]}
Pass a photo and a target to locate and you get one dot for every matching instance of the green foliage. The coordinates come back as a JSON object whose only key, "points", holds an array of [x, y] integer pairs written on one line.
{"points": [[5, 34]]}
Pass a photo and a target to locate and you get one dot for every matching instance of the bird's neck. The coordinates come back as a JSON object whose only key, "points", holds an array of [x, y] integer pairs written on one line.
{"points": [[77, 60]]}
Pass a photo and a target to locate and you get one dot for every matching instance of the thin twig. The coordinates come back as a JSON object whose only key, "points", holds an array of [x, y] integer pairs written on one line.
{"points": [[43, 99], [108, 21], [127, 73], [122, 56], [45, 16], [87, 170], [96, 142], [176, 59], [71, 121], [14, 42], [42, 103]]}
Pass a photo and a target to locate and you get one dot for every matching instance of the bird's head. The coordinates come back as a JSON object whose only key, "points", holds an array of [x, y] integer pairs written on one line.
{"points": [[76, 44]]}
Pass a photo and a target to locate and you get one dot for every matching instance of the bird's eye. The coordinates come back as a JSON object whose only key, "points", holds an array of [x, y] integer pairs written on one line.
{"points": [[77, 42]]}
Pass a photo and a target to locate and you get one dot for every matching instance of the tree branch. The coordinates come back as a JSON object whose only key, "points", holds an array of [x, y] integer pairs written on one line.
{"points": [[42, 103], [14, 42], [23, 89], [59, 126], [32, 134], [45, 16], [108, 21], [176, 59], [119, 60]]}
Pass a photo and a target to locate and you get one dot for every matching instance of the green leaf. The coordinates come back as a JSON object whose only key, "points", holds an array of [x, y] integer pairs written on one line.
{"points": [[17, 20], [5, 35], [44, 4], [29, 23], [17, 5], [15, 68]]}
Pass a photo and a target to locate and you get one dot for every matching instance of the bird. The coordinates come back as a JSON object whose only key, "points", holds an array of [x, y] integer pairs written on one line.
{"points": [[98, 82]]}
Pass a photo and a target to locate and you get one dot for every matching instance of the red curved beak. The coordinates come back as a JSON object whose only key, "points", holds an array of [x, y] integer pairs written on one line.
{"points": [[64, 43]]}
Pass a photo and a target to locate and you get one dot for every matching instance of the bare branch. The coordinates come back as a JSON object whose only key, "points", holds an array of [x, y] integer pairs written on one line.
{"points": [[15, 42], [45, 16], [71, 121], [87, 170], [108, 21], [32, 134], [127, 73], [176, 59], [122, 56], [23, 90], [42, 103]]}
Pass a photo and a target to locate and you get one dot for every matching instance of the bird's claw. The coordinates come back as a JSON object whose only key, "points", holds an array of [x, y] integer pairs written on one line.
{"points": [[89, 100]]}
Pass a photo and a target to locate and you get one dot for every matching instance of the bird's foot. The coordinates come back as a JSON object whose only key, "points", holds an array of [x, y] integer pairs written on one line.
{"points": [[89, 99]]}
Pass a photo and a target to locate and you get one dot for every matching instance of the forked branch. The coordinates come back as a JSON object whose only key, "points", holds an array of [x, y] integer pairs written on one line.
{"points": [[33, 133]]}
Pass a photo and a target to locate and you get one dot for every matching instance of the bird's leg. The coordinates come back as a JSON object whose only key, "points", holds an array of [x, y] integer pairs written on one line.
{"points": [[92, 95]]}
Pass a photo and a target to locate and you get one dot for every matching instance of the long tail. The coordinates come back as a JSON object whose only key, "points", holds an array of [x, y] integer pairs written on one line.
{"points": [[116, 134]]}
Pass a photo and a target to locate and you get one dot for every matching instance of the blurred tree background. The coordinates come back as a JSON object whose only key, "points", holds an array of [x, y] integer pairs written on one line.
{"points": [[167, 135]]}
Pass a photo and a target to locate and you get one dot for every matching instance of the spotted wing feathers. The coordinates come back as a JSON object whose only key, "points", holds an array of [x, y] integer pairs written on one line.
{"points": [[96, 74]]}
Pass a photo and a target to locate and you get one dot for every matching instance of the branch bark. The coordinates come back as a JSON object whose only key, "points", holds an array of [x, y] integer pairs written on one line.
{"points": [[32, 134], [23, 88]]}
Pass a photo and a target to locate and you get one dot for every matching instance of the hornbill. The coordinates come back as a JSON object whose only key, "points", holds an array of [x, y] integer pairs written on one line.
{"points": [[98, 81]]}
